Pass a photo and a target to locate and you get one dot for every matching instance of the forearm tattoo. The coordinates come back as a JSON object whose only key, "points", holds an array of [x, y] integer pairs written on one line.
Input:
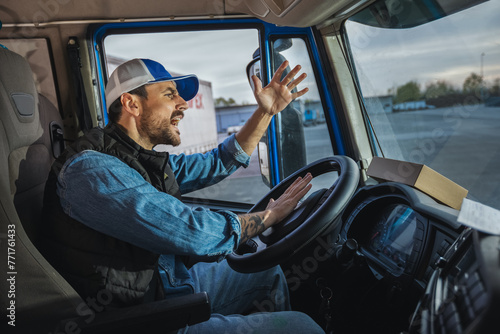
{"points": [[251, 225]]}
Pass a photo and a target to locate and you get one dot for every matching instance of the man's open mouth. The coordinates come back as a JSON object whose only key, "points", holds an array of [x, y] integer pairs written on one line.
{"points": [[175, 121]]}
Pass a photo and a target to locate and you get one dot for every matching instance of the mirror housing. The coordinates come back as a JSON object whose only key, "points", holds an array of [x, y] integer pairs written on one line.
{"points": [[265, 172]]}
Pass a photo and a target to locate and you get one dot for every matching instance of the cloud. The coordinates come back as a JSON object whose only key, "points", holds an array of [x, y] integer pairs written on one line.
{"points": [[448, 49], [219, 57]]}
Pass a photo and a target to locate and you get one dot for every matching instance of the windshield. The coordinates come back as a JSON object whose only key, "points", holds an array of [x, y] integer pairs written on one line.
{"points": [[432, 91]]}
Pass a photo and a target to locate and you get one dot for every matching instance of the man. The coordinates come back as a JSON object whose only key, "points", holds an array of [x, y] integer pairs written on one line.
{"points": [[116, 226]]}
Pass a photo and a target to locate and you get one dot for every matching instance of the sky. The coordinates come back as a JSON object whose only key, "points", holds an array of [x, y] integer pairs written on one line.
{"points": [[219, 57], [446, 49], [450, 49]]}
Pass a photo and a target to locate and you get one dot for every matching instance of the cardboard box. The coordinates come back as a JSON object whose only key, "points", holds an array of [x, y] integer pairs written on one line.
{"points": [[418, 176]]}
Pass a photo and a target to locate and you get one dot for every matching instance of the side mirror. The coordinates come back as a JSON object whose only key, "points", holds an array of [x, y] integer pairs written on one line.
{"points": [[253, 68], [264, 163]]}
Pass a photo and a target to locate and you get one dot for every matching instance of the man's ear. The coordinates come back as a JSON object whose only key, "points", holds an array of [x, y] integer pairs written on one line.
{"points": [[130, 104]]}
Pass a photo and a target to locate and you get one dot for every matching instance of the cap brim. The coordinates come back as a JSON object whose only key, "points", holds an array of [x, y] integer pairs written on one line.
{"points": [[187, 85]]}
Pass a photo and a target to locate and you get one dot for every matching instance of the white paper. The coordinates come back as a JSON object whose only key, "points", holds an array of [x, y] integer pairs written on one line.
{"points": [[479, 216]]}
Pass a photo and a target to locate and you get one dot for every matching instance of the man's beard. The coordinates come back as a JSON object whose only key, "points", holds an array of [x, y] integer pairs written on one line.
{"points": [[159, 131]]}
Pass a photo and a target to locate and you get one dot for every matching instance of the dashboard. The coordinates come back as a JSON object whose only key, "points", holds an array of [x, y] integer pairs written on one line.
{"points": [[463, 295], [416, 270], [400, 231], [402, 237], [392, 238]]}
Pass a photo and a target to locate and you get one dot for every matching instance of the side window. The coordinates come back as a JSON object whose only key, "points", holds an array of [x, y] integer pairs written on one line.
{"points": [[225, 99], [302, 131]]}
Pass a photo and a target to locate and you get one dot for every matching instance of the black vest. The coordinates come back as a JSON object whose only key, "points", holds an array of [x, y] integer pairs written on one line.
{"points": [[99, 266]]}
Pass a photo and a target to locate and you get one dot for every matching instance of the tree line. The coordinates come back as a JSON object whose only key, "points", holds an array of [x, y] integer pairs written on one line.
{"points": [[441, 93]]}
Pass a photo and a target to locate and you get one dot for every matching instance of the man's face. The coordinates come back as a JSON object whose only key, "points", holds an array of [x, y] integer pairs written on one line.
{"points": [[161, 113]]}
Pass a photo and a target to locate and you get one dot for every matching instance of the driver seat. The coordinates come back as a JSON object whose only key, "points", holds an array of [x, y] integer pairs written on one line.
{"points": [[37, 299], [25, 159]]}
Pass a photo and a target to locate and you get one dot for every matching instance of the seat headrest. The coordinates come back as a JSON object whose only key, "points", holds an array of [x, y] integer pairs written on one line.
{"points": [[18, 100]]}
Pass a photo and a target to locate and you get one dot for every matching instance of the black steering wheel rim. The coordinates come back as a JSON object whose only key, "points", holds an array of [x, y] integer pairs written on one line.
{"points": [[317, 222]]}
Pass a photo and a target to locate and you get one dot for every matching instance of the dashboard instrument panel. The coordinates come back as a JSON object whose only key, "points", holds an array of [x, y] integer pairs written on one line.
{"points": [[399, 230], [425, 265]]}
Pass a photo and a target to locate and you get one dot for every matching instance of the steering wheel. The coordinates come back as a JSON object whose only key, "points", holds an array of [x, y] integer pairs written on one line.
{"points": [[311, 217]]}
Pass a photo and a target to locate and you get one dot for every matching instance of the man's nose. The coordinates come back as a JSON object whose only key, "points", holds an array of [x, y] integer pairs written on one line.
{"points": [[181, 103]]}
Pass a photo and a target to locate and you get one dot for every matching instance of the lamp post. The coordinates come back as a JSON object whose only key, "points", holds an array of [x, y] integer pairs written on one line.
{"points": [[483, 94], [482, 61]]}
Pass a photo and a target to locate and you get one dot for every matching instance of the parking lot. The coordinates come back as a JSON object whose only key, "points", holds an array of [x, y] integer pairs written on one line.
{"points": [[449, 140]]}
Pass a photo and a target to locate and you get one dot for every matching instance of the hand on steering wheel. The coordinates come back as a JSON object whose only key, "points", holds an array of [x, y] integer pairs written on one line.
{"points": [[287, 202], [302, 225], [256, 222]]}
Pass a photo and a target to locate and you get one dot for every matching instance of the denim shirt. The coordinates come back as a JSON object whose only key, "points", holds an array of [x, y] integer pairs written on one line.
{"points": [[96, 189]]}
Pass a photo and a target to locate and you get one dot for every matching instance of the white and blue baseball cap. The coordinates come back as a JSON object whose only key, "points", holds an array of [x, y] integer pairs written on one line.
{"points": [[137, 72]]}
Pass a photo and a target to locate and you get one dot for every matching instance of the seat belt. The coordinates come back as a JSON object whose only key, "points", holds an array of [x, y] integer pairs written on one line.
{"points": [[75, 62]]}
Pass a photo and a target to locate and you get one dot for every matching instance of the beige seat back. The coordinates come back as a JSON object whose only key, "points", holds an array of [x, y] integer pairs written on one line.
{"points": [[40, 296]]}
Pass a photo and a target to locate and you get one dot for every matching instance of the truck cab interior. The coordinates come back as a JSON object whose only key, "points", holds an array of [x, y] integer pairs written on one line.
{"points": [[399, 129]]}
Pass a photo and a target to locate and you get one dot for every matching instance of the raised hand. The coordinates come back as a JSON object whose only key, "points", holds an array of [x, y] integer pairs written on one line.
{"points": [[278, 94]]}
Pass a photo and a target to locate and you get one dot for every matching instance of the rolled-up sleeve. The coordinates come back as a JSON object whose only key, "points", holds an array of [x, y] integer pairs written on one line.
{"points": [[107, 195]]}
